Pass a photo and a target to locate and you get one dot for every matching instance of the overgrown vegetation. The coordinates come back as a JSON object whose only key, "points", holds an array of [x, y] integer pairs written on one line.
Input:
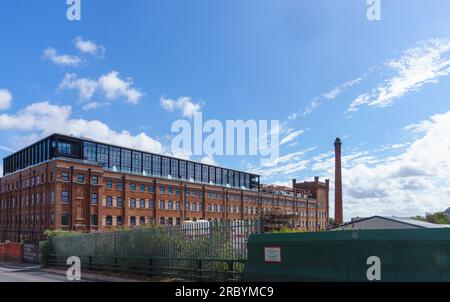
{"points": [[437, 218], [47, 247], [287, 230], [173, 249]]}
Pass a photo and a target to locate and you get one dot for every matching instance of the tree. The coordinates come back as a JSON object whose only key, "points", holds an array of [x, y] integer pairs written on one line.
{"points": [[436, 218]]}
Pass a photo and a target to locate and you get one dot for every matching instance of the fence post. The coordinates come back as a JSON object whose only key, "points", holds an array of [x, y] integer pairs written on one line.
{"points": [[210, 239], [150, 267], [199, 268]]}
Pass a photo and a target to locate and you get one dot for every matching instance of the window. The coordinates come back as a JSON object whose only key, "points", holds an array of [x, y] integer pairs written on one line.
{"points": [[52, 197], [114, 158], [109, 220], [80, 178], [109, 201], [188, 206], [162, 205], [170, 205], [90, 152], [205, 173], [102, 155], [137, 168], [109, 184], [194, 207], [151, 204], [147, 164], [218, 176], [165, 167], [190, 171], [94, 180], [177, 206], [132, 220], [132, 203], [162, 189], [142, 188], [169, 190], [94, 219], [198, 172], [183, 171], [142, 220], [126, 160], [65, 176], [142, 204], [224, 177], [119, 220], [151, 189], [174, 168], [156, 165], [94, 198], [65, 196], [209, 208], [177, 191], [212, 174], [65, 219], [119, 186], [215, 208], [119, 202], [133, 187], [52, 218], [64, 148]]}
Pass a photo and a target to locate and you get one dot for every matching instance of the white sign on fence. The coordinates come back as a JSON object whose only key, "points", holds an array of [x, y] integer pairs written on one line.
{"points": [[272, 254]]}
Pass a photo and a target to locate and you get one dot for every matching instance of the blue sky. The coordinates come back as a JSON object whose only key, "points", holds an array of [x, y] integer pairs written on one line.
{"points": [[301, 62]]}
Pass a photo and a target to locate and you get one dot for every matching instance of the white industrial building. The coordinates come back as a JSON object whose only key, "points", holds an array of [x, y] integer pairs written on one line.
{"points": [[384, 222]]}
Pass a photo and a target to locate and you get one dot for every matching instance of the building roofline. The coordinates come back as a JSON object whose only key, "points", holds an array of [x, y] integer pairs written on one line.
{"points": [[387, 218], [126, 148]]}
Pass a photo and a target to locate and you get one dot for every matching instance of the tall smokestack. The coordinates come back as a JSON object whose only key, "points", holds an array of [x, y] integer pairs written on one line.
{"points": [[338, 211]]}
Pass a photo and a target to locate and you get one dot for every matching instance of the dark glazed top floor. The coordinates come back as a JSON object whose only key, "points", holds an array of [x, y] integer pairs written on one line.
{"points": [[116, 158]]}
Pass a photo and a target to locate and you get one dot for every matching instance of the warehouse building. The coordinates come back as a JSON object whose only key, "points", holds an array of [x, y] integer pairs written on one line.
{"points": [[69, 183], [387, 223]]}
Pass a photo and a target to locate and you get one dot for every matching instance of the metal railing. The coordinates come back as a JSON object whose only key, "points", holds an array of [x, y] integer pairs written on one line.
{"points": [[200, 251]]}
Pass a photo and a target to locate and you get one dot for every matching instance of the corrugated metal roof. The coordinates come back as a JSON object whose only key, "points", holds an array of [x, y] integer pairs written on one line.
{"points": [[405, 220]]}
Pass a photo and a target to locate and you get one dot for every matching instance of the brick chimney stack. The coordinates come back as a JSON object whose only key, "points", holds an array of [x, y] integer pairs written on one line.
{"points": [[338, 211]]}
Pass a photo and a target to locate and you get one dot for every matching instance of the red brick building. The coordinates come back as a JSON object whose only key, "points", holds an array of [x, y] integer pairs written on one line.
{"points": [[68, 183]]}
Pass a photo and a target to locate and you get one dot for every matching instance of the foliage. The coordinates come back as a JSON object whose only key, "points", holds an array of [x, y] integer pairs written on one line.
{"points": [[287, 230], [47, 247], [437, 218]]}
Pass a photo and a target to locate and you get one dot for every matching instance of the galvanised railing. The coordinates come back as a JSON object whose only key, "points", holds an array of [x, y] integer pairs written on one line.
{"points": [[200, 251]]}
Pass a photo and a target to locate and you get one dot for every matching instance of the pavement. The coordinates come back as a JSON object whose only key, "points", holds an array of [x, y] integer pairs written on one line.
{"points": [[20, 272], [17, 272]]}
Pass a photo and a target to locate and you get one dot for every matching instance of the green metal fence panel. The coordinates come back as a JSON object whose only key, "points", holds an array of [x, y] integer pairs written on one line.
{"points": [[404, 255]]}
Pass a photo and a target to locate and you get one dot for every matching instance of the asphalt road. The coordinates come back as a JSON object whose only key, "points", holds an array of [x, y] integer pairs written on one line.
{"points": [[11, 272]]}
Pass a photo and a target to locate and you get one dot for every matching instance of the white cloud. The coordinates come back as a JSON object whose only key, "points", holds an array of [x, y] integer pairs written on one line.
{"points": [[114, 87], [86, 87], [89, 47], [64, 60], [110, 85], [5, 99], [40, 119], [209, 160], [411, 182], [423, 64], [183, 104], [94, 105], [333, 94], [291, 136]]}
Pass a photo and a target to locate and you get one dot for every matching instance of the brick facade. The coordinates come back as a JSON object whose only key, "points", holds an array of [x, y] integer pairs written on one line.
{"points": [[70, 195]]}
